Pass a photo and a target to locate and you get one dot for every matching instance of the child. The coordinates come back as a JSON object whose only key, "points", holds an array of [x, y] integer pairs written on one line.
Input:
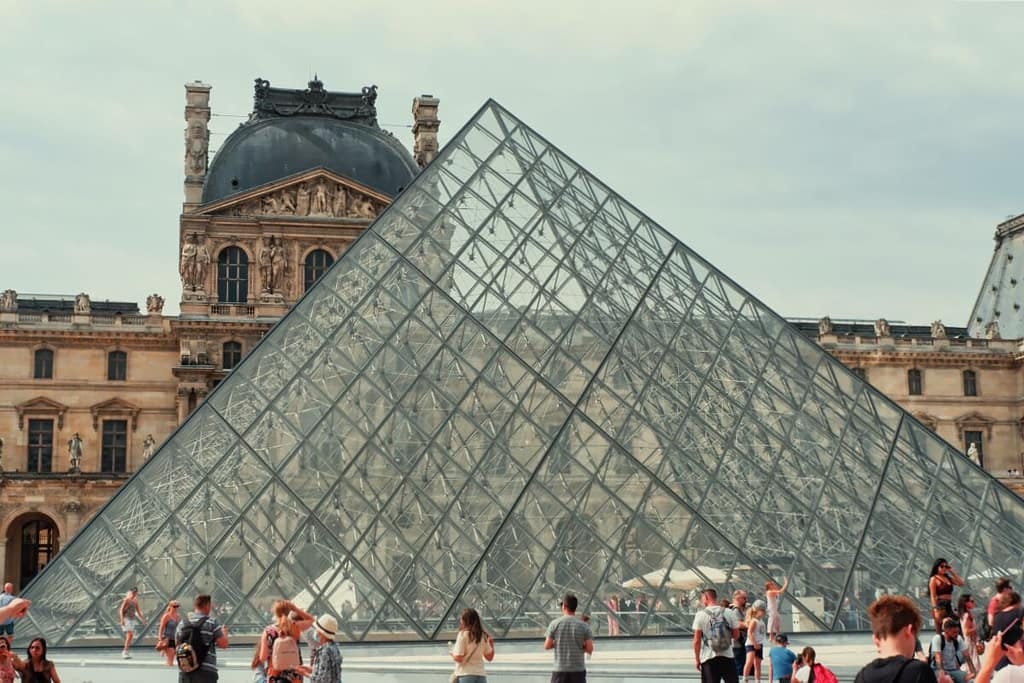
{"points": [[755, 643], [780, 660]]}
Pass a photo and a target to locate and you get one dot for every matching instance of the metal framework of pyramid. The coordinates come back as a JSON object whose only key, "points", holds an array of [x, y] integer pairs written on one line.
{"points": [[513, 385]]}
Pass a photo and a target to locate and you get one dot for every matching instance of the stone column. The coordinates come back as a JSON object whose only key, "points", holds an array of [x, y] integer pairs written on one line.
{"points": [[424, 128], [197, 141]]}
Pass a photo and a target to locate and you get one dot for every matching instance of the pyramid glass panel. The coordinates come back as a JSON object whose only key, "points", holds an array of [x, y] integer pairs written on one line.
{"points": [[512, 385]]}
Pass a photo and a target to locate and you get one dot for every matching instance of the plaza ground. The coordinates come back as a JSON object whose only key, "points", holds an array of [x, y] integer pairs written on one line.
{"points": [[614, 661]]}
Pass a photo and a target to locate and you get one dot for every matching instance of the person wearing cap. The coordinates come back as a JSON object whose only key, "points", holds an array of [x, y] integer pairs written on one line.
{"points": [[168, 625], [780, 660], [325, 660], [949, 650]]}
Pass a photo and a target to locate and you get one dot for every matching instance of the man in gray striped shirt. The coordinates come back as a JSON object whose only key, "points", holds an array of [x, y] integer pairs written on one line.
{"points": [[571, 639]]}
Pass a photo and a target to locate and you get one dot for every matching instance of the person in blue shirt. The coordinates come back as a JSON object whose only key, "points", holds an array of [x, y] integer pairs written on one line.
{"points": [[780, 660]]}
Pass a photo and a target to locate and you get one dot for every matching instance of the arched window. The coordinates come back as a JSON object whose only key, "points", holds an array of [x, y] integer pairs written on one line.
{"points": [[914, 382], [232, 276], [231, 355], [317, 263], [117, 365], [970, 383], [43, 365], [38, 546]]}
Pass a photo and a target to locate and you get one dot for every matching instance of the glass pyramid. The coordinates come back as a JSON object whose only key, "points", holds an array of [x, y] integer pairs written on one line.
{"points": [[512, 385]]}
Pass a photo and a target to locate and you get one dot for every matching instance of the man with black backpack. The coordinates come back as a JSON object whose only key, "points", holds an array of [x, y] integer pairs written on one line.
{"points": [[198, 638], [714, 630]]}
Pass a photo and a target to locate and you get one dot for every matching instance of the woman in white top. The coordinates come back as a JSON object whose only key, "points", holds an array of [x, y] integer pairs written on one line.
{"points": [[472, 646], [755, 643], [804, 665]]}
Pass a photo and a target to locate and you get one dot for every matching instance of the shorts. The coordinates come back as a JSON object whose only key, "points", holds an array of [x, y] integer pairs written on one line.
{"points": [[759, 653], [568, 677], [129, 626], [7, 629]]}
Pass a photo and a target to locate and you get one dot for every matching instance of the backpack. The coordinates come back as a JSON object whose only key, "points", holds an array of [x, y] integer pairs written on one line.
{"points": [[717, 634], [284, 652], [942, 646], [191, 651], [984, 629], [821, 674]]}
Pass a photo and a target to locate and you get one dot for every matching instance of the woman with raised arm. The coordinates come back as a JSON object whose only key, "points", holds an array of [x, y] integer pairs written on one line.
{"points": [[941, 582], [773, 593]]}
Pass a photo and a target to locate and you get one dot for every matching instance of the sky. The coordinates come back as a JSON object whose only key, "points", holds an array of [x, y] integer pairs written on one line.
{"points": [[841, 159]]}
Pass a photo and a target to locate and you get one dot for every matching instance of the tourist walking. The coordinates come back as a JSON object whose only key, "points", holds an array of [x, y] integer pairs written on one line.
{"points": [[773, 594], [941, 582], [130, 616], [37, 668], [165, 631], [473, 645], [571, 639], [714, 631], [781, 660], [969, 629], [211, 636], [290, 621], [1003, 587], [895, 623], [612, 607]]}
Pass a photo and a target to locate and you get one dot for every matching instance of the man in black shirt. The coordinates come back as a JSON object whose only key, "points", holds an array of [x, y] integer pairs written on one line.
{"points": [[895, 622]]}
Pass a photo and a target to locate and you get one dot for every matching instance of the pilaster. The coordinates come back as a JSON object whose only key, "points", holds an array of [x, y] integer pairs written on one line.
{"points": [[424, 128], [197, 141]]}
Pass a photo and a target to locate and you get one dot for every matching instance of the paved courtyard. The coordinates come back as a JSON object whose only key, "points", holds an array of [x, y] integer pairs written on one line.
{"points": [[517, 662]]}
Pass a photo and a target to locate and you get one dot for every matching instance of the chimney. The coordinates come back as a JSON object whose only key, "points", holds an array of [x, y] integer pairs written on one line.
{"points": [[424, 128], [197, 141]]}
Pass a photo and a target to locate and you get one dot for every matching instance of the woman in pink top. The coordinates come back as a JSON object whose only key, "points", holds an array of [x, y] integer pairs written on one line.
{"points": [[773, 592]]}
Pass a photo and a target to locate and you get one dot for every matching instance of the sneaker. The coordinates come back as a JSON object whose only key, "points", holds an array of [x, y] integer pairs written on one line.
{"points": [[126, 655]]}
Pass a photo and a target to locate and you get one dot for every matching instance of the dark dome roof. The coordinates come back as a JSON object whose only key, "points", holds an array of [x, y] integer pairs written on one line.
{"points": [[266, 150]]}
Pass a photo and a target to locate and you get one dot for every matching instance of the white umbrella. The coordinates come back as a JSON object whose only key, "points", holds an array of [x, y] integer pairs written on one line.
{"points": [[679, 579]]}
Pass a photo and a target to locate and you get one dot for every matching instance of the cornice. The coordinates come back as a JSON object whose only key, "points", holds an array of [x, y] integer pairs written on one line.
{"points": [[877, 357], [17, 336], [104, 385]]}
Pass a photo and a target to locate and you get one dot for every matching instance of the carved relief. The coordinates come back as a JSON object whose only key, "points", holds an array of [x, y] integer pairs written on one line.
{"points": [[197, 140], [319, 198], [154, 304], [72, 507], [82, 303], [9, 301]]}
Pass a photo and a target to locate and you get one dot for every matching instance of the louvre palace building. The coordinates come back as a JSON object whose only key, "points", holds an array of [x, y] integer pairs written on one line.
{"points": [[493, 380]]}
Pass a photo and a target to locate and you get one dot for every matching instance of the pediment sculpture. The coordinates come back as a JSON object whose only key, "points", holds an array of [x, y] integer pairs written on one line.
{"points": [[317, 198]]}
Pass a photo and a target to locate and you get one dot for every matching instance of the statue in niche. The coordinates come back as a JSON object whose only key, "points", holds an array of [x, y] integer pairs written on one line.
{"points": [[9, 301], [938, 330], [882, 328], [82, 303], [302, 200], [972, 453], [154, 304], [266, 263], [992, 330], [340, 201], [825, 326], [320, 205], [194, 261], [278, 264], [148, 446], [75, 454]]}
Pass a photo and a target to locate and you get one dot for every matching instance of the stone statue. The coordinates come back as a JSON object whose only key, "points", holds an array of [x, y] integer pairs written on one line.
{"points": [[302, 200], [369, 95], [278, 264], [992, 330], [938, 330], [75, 453], [286, 203], [82, 303], [972, 453], [361, 207], [340, 205], [154, 304], [198, 141], [194, 261], [266, 261], [882, 328], [9, 301], [825, 326], [270, 205], [148, 445], [320, 206]]}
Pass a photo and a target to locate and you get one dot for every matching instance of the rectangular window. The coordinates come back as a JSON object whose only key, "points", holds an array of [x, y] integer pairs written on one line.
{"points": [[970, 383], [914, 382], [972, 437], [117, 366], [43, 364], [114, 451], [40, 446]]}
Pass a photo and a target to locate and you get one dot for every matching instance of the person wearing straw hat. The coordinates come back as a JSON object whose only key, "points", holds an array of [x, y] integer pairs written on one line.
{"points": [[325, 661]]}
